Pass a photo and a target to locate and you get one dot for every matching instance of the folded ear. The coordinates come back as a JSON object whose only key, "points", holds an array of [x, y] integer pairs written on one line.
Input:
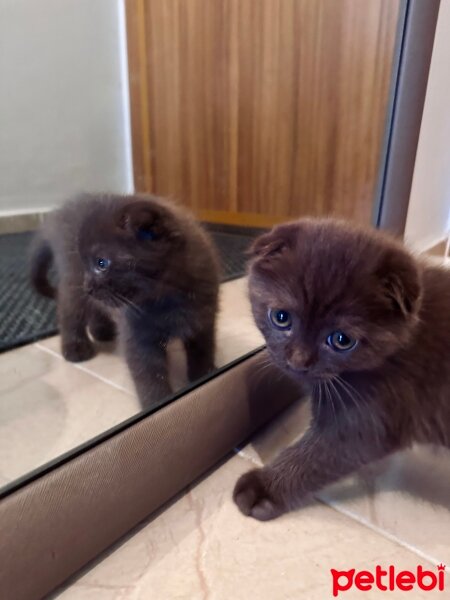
{"points": [[273, 242], [137, 216], [265, 245], [401, 281], [146, 221]]}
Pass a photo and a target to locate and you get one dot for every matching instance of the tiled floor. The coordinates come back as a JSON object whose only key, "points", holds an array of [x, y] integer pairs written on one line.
{"points": [[49, 406], [201, 547]]}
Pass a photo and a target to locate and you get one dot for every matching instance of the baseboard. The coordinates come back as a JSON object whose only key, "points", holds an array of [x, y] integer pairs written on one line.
{"points": [[437, 249], [20, 222], [254, 220]]}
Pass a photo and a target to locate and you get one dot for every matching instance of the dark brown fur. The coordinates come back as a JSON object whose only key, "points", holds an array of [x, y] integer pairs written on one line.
{"points": [[161, 283], [389, 391]]}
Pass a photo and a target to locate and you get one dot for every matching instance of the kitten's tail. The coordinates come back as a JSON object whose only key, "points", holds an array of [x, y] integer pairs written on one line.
{"points": [[40, 261]]}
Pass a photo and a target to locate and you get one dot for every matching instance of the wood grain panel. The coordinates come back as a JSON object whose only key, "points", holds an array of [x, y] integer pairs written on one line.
{"points": [[274, 108]]}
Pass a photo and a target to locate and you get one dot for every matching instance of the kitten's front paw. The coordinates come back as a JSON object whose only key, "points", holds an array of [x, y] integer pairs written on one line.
{"points": [[254, 498], [78, 351]]}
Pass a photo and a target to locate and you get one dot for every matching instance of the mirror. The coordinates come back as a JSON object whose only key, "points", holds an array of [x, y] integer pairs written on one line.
{"points": [[243, 117]]}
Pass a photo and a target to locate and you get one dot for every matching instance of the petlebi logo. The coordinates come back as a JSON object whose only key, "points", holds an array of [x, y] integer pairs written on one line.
{"points": [[388, 579]]}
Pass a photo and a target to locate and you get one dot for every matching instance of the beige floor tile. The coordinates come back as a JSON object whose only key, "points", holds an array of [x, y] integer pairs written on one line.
{"points": [[407, 496], [437, 261], [48, 407], [281, 432], [394, 496], [202, 547]]}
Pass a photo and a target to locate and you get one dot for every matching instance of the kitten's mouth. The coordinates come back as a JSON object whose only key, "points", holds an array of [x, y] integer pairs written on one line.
{"points": [[305, 374], [298, 371]]}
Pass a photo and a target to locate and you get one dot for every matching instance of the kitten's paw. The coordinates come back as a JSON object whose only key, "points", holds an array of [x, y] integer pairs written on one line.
{"points": [[78, 351], [253, 497]]}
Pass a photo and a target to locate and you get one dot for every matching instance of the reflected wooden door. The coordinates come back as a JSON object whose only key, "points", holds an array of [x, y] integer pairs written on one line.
{"points": [[257, 111]]}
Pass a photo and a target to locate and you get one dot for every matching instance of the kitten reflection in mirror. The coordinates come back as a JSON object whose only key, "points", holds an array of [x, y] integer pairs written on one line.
{"points": [[355, 316], [136, 265]]}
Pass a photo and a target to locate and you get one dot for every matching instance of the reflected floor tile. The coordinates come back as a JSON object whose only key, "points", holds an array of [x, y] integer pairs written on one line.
{"points": [[18, 367], [107, 364], [47, 407], [236, 335], [202, 547]]}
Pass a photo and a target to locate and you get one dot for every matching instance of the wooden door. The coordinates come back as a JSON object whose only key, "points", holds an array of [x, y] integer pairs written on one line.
{"points": [[257, 111]]}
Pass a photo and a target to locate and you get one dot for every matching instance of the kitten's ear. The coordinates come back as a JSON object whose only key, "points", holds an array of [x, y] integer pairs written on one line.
{"points": [[137, 216], [271, 243], [147, 222], [265, 245], [400, 277]]}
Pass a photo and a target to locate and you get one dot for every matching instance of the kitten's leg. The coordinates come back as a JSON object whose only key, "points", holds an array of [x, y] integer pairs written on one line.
{"points": [[72, 319], [101, 326], [315, 461], [200, 353], [147, 360]]}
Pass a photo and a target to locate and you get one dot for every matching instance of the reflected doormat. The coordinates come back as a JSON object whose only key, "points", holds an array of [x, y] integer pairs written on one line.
{"points": [[26, 316]]}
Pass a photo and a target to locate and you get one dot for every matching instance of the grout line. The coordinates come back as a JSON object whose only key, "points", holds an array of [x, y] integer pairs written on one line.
{"points": [[390, 536], [243, 454], [86, 370]]}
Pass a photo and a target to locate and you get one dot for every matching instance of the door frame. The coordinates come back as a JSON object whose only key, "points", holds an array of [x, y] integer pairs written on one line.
{"points": [[415, 40]]}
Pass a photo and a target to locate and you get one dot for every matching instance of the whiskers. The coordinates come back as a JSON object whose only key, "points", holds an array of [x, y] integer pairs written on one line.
{"points": [[348, 405], [317, 394], [328, 398], [124, 301]]}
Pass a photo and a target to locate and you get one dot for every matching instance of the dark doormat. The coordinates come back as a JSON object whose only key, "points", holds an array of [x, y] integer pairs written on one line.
{"points": [[26, 317]]}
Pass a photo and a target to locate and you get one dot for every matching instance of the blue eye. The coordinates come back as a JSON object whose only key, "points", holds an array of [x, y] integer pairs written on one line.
{"points": [[280, 318], [340, 341], [101, 264], [144, 234]]}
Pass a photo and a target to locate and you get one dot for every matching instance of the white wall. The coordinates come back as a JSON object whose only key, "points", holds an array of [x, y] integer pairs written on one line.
{"points": [[429, 209], [64, 119]]}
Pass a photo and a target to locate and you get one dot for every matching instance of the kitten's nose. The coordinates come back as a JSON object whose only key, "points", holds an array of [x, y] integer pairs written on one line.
{"points": [[300, 361]]}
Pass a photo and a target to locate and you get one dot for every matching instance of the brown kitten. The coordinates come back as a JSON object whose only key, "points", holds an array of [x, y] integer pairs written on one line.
{"points": [[136, 264], [353, 314]]}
